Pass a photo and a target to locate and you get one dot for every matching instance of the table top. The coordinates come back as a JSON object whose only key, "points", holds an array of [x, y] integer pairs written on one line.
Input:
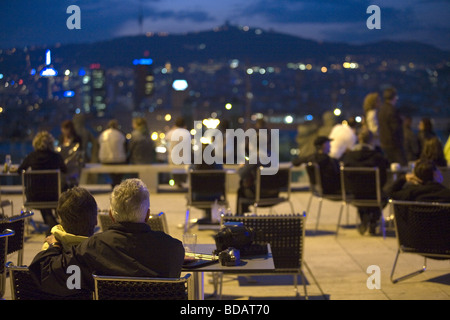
{"points": [[255, 264]]}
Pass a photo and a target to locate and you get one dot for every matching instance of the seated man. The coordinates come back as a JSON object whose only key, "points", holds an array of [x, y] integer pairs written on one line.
{"points": [[425, 184], [329, 167], [364, 154], [128, 248], [77, 210]]}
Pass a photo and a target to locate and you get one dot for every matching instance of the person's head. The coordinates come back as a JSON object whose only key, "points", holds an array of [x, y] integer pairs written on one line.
{"points": [[432, 149], [130, 202], [407, 121], [365, 136], [77, 210], [113, 124], [43, 141], [180, 122], [140, 124], [425, 125], [68, 128], [427, 171], [371, 101], [390, 95], [322, 144]]}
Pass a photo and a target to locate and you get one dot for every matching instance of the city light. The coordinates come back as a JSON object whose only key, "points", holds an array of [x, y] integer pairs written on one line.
{"points": [[48, 57], [289, 119], [154, 136], [48, 72], [228, 106], [180, 85], [211, 123], [168, 117], [145, 62], [337, 112], [69, 94], [324, 69]]}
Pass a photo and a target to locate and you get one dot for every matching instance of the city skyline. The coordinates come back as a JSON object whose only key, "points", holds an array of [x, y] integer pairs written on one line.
{"points": [[43, 22]]}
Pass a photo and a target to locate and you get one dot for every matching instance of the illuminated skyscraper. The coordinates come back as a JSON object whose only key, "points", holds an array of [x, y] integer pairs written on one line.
{"points": [[98, 89], [144, 81]]}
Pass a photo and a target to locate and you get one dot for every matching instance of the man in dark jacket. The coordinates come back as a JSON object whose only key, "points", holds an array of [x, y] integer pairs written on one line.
{"points": [[425, 184], [365, 155], [128, 248], [391, 129], [329, 167]]}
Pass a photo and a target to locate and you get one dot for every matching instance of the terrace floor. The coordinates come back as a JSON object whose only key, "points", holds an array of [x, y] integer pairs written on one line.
{"points": [[338, 264]]}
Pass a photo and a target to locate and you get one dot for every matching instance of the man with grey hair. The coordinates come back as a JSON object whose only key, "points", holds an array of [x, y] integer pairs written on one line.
{"points": [[128, 248]]}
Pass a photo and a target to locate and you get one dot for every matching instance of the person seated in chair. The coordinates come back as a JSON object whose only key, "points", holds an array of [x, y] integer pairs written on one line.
{"points": [[128, 248], [364, 154], [424, 184], [44, 157], [329, 167], [77, 211]]}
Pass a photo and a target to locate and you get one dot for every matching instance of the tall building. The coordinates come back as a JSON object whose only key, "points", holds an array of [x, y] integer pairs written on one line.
{"points": [[144, 81], [98, 89]]}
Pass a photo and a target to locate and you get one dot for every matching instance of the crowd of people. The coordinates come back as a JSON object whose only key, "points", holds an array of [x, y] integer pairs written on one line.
{"points": [[385, 140]]}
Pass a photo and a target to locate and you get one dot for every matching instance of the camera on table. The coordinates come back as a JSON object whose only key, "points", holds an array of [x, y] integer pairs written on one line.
{"points": [[230, 240]]}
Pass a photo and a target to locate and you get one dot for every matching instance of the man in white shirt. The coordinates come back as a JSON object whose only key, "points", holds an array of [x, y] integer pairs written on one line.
{"points": [[112, 148], [343, 136]]}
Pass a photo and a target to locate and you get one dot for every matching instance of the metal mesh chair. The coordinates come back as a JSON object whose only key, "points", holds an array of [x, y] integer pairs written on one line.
{"points": [[361, 187], [157, 222], [130, 288], [315, 184], [422, 228], [285, 234], [16, 242], [4, 235], [268, 189], [205, 187], [23, 287], [41, 189], [5, 203]]}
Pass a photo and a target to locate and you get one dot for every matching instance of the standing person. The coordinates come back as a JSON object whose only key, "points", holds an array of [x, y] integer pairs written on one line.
{"points": [[141, 149], [89, 143], [44, 158], [411, 142], [425, 132], [371, 105], [128, 248], [71, 149], [391, 128], [112, 149], [447, 150], [364, 154], [342, 138]]}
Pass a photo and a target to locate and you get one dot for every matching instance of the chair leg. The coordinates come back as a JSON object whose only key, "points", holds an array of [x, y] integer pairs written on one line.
{"points": [[318, 213], [186, 222], [292, 207], [309, 204], [340, 216], [412, 274]]}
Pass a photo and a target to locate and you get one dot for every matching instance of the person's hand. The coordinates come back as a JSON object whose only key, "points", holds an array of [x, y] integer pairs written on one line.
{"points": [[412, 178], [51, 240]]}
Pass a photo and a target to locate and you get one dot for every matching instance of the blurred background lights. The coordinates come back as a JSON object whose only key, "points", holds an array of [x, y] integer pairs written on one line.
{"points": [[337, 112], [180, 85]]}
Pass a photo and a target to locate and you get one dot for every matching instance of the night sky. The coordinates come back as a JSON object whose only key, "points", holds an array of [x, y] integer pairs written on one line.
{"points": [[43, 22]]}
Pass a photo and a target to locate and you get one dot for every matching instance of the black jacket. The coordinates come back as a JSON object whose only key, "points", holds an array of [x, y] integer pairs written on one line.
{"points": [[427, 192], [125, 249], [43, 160], [390, 127], [329, 171]]}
